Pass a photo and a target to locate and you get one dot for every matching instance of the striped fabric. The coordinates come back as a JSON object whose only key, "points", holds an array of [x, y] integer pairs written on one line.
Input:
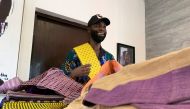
{"points": [[31, 105], [54, 79], [177, 87], [12, 84], [140, 71], [23, 96], [34, 81], [170, 88]]}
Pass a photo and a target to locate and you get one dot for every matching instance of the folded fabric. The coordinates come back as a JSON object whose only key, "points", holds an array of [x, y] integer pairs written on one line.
{"points": [[162, 106], [142, 71], [23, 96], [55, 79], [31, 105], [108, 68], [145, 70], [115, 107], [87, 55], [34, 81], [144, 106], [165, 89], [12, 84]]}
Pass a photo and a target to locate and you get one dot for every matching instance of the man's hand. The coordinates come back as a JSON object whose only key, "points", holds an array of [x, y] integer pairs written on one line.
{"points": [[81, 71]]}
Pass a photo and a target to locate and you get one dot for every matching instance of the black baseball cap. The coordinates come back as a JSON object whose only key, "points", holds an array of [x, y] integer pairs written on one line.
{"points": [[98, 18]]}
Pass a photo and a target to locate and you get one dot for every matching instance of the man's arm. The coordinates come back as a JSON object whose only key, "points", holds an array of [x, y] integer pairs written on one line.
{"points": [[72, 68]]}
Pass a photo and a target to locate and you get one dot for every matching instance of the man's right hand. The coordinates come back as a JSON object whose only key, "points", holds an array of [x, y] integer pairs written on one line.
{"points": [[81, 71]]}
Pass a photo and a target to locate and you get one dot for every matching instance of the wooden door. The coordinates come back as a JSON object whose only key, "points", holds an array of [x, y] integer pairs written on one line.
{"points": [[53, 38]]}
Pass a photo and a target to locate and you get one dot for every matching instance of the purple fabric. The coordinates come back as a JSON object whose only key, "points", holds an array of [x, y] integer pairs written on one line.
{"points": [[57, 81], [161, 106], [12, 84], [170, 88]]}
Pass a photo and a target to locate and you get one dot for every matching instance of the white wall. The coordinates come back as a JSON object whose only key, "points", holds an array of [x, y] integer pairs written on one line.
{"points": [[10, 40], [127, 24]]}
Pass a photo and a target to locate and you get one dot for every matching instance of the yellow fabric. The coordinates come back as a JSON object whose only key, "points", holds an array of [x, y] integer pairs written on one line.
{"points": [[87, 55], [32, 105], [141, 71]]}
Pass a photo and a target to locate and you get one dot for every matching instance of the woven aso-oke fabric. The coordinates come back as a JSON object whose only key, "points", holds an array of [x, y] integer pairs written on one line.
{"points": [[34, 81], [145, 106], [141, 71], [169, 88], [145, 70], [55, 79], [12, 84], [162, 106], [77, 104], [31, 105], [87, 55], [23, 96]]}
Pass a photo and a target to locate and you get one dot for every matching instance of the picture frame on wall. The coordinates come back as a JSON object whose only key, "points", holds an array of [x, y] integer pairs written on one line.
{"points": [[125, 54]]}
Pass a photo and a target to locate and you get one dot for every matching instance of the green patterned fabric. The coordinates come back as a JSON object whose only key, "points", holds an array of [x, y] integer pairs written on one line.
{"points": [[72, 61]]}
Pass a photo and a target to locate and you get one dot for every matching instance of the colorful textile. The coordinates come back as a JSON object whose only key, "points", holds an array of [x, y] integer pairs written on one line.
{"points": [[54, 79], [72, 61], [169, 88], [140, 71], [108, 68], [12, 84], [144, 106], [23, 96], [162, 106], [147, 70], [87, 55], [31, 105]]}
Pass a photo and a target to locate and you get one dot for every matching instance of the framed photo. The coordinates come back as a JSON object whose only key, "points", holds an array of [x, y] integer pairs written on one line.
{"points": [[125, 54]]}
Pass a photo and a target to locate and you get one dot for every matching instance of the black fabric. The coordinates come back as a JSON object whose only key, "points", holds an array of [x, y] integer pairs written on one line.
{"points": [[1, 82]]}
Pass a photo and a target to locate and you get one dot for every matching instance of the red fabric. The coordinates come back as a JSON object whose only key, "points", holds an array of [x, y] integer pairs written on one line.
{"points": [[55, 79]]}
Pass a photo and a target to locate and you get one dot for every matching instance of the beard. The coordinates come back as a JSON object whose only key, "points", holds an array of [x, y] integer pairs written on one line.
{"points": [[97, 37]]}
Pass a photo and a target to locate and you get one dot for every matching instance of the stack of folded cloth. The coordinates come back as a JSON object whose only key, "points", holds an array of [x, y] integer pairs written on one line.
{"points": [[52, 87], [23, 100], [12, 84], [23, 96], [54, 81], [158, 83]]}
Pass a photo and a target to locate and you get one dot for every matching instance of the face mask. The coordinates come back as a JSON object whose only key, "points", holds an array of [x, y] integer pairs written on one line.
{"points": [[96, 37]]}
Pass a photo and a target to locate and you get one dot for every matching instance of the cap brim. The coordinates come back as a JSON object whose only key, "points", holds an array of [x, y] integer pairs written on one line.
{"points": [[105, 20]]}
